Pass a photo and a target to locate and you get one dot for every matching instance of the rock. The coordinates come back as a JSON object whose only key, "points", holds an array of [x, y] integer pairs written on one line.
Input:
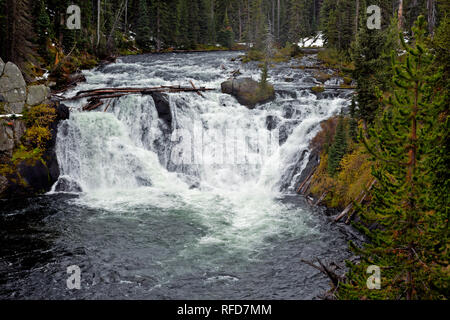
{"points": [[11, 78], [6, 138], [35, 175], [16, 107], [62, 112], [15, 95], [19, 130], [37, 94], [143, 182], [247, 91], [272, 122], [2, 66], [76, 78], [162, 104], [66, 184], [3, 181], [2, 98], [313, 162]]}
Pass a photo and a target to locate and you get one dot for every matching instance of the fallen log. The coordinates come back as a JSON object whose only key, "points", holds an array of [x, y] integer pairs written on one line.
{"points": [[335, 278], [92, 106], [106, 93], [321, 198]]}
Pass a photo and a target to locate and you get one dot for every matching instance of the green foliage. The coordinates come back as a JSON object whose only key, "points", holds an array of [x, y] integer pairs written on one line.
{"points": [[411, 247], [226, 35], [143, 32], [338, 148], [264, 76], [318, 89], [371, 56]]}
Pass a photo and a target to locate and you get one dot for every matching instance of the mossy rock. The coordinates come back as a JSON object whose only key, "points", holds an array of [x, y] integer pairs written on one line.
{"points": [[248, 91], [317, 89]]}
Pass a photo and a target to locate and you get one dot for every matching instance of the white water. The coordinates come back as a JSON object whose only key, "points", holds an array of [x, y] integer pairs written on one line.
{"points": [[125, 159]]}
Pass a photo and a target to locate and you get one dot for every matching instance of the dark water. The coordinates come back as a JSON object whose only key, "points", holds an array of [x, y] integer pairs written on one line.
{"points": [[141, 257]]}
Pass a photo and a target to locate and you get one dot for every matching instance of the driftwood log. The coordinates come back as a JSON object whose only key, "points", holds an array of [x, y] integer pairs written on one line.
{"points": [[96, 95]]}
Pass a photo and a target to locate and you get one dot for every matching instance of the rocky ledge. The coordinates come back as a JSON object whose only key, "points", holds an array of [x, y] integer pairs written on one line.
{"points": [[21, 173]]}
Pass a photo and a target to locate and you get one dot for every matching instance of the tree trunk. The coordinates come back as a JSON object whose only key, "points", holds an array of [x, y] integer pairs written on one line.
{"points": [[278, 22], [158, 36], [400, 15], [126, 16], [240, 23], [431, 6], [356, 18], [98, 21]]}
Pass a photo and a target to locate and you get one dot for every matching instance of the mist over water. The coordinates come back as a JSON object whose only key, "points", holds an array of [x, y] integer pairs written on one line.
{"points": [[199, 207]]}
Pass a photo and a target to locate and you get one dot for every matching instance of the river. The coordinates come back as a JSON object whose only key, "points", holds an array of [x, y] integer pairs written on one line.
{"points": [[198, 204]]}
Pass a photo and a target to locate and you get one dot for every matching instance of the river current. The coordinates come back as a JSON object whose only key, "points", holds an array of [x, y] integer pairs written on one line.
{"points": [[195, 203]]}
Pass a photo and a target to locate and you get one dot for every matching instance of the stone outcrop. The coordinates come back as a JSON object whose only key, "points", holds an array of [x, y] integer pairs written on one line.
{"points": [[27, 177], [248, 91], [38, 175], [15, 96], [37, 94]]}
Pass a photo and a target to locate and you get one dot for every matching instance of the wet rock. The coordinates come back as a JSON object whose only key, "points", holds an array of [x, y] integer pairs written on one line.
{"points": [[37, 94], [162, 104], [247, 91], [272, 122], [313, 162], [62, 112], [76, 78], [143, 182], [3, 182], [35, 175], [66, 184]]}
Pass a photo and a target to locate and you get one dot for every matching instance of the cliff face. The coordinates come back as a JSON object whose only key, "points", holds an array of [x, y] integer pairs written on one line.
{"points": [[28, 127]]}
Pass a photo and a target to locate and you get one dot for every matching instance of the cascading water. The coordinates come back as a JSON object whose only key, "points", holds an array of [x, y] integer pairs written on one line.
{"points": [[194, 204]]}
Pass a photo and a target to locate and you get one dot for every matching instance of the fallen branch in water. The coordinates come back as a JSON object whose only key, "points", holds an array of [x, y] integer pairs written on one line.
{"points": [[335, 278], [106, 93]]}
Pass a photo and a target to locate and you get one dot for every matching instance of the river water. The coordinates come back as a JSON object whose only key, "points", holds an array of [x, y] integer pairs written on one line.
{"points": [[194, 203]]}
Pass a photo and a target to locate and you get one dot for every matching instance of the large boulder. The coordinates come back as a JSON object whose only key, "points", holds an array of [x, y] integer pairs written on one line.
{"points": [[37, 94], [162, 105], [11, 78], [13, 90], [248, 91]]}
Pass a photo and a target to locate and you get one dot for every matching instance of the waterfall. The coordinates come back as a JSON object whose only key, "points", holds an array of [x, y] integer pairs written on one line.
{"points": [[211, 154]]}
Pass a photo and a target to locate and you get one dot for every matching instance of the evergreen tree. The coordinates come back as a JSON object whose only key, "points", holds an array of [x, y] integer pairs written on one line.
{"points": [[370, 54], [338, 147], [143, 32], [411, 245], [42, 26], [226, 35]]}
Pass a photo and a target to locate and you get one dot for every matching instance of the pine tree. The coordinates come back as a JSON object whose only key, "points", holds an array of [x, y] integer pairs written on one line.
{"points": [[42, 24], [143, 32], [226, 35], [338, 147], [370, 54], [411, 245]]}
